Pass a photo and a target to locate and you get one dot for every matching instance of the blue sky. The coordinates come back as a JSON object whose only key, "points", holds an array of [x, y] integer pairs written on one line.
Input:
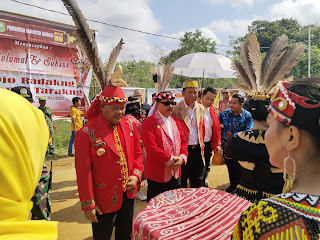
{"points": [[217, 19]]}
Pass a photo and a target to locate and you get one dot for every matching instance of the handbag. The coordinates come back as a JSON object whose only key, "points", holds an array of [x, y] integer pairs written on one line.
{"points": [[218, 158]]}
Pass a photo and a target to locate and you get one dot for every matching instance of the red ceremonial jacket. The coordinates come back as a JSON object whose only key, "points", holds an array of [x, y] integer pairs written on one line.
{"points": [[156, 140], [97, 163], [216, 129], [180, 112]]}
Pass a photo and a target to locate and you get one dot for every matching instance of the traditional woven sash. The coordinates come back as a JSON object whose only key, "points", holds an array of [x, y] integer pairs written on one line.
{"points": [[123, 160]]}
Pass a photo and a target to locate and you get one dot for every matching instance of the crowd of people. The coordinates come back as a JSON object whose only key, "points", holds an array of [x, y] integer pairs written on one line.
{"points": [[271, 151], [172, 147], [176, 143]]}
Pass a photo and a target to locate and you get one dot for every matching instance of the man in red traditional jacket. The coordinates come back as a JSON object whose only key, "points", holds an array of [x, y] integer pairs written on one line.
{"points": [[109, 165], [166, 146], [212, 138]]}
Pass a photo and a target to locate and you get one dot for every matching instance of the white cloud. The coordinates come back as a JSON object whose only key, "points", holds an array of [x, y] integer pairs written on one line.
{"points": [[224, 29], [235, 27], [233, 3], [122, 13], [138, 15], [219, 31], [305, 11]]}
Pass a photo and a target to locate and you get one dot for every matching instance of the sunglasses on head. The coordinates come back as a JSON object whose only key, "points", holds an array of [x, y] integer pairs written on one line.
{"points": [[168, 103]]}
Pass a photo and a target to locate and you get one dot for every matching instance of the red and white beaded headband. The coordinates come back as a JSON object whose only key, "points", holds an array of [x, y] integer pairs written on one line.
{"points": [[166, 95]]}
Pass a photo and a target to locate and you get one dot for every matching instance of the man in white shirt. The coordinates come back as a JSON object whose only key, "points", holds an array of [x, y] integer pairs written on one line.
{"points": [[191, 116], [166, 147]]}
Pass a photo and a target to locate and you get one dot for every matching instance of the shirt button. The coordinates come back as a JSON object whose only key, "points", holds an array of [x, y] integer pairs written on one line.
{"points": [[119, 179], [117, 162]]}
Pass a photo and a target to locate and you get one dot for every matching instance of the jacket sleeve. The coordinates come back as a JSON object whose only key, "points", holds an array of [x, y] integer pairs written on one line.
{"points": [[84, 170], [216, 132], [150, 142], [138, 158], [184, 142]]}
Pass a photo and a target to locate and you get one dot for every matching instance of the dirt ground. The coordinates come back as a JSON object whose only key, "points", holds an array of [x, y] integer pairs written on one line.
{"points": [[66, 206]]}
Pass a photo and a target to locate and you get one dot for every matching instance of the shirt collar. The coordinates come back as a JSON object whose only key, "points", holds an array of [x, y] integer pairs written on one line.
{"points": [[187, 107], [240, 114], [163, 117]]}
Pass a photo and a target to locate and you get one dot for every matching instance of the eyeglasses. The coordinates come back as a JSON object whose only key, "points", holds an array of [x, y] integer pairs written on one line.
{"points": [[168, 103], [224, 92]]}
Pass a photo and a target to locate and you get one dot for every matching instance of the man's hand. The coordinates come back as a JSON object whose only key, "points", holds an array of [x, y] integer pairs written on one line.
{"points": [[132, 182], [91, 214], [178, 161]]}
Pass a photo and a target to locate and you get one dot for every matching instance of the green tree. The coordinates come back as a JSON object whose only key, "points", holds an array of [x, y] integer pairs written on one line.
{"points": [[268, 31], [191, 42], [301, 69], [137, 74], [302, 36]]}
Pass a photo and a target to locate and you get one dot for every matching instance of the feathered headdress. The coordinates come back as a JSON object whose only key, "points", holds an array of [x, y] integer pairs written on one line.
{"points": [[161, 76], [89, 45], [256, 77]]}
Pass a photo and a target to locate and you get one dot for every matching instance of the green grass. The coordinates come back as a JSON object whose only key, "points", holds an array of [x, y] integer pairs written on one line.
{"points": [[62, 134], [62, 137]]}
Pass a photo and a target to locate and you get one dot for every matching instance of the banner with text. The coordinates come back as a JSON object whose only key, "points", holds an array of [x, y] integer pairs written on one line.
{"points": [[43, 55]]}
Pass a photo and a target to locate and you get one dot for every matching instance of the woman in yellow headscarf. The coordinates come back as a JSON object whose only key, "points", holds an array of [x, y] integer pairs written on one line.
{"points": [[23, 138]]}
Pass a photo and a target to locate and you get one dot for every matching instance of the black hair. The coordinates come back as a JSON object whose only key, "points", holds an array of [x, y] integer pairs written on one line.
{"points": [[240, 98], [306, 87], [259, 109], [133, 108], [200, 94], [75, 99], [310, 88], [209, 89]]}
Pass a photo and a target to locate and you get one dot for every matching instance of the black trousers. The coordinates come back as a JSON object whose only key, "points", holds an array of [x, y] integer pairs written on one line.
{"points": [[121, 220], [207, 155], [194, 170], [207, 158], [155, 188], [234, 170]]}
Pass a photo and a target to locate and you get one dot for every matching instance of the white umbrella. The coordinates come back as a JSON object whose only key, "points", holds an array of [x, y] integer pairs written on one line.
{"points": [[204, 65]]}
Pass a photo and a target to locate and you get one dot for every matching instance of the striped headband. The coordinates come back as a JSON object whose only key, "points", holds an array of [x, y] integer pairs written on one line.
{"points": [[110, 100], [166, 95], [133, 101]]}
